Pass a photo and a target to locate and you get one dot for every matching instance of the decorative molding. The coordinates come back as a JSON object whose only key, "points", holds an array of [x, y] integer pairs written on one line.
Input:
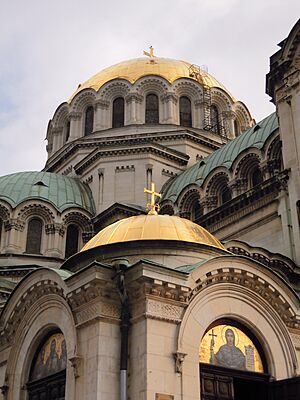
{"points": [[134, 98], [254, 283], [15, 224], [77, 364], [29, 299], [75, 115], [55, 228], [156, 309], [36, 210], [102, 104], [179, 358], [97, 310]]}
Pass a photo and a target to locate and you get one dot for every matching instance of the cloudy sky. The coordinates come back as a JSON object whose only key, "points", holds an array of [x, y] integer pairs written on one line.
{"points": [[48, 47]]}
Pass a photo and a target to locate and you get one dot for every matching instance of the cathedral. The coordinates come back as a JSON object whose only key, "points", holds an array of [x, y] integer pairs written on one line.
{"points": [[157, 254]]}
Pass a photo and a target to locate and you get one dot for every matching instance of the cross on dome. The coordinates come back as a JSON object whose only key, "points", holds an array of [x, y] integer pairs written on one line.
{"points": [[152, 206]]}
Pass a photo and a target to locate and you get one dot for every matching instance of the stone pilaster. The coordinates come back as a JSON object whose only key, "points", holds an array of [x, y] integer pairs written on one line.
{"points": [[134, 101], [170, 100], [101, 118], [76, 127]]}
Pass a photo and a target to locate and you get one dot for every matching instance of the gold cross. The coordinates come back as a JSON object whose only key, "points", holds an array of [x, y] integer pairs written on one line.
{"points": [[152, 206], [150, 53]]}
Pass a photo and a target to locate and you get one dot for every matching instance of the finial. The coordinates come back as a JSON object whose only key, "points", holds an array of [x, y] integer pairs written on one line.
{"points": [[151, 55], [152, 206]]}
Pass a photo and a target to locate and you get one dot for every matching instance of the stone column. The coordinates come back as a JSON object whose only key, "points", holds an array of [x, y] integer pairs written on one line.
{"points": [[55, 243], [228, 122], [57, 134], [133, 101], [170, 100], [102, 115], [198, 114], [14, 242], [76, 128]]}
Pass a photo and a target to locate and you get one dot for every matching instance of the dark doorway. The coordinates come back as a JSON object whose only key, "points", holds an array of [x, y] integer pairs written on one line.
{"points": [[219, 383]]}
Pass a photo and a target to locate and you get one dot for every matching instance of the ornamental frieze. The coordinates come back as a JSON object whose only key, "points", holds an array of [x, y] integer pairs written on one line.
{"points": [[254, 283], [164, 311]]}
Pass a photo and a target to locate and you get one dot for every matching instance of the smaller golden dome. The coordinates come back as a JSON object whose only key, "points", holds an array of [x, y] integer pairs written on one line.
{"points": [[153, 227]]}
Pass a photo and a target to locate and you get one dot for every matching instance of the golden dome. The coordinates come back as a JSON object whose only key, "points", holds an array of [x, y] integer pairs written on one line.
{"points": [[153, 227], [132, 70]]}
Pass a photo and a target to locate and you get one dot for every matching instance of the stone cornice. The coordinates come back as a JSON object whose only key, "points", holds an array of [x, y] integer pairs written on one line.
{"points": [[129, 140], [158, 150]]}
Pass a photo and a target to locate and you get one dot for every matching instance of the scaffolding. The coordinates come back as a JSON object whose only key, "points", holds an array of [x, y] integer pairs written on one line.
{"points": [[199, 74]]}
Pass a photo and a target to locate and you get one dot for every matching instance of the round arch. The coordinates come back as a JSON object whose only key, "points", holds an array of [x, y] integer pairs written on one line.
{"points": [[216, 299], [34, 326]]}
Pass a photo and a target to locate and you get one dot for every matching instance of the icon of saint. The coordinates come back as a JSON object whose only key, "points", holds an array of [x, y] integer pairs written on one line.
{"points": [[229, 355]]}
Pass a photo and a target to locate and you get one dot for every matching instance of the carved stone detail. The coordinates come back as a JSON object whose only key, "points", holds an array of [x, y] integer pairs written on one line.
{"points": [[98, 310], [16, 224], [164, 311], [254, 283], [179, 358], [76, 363]]}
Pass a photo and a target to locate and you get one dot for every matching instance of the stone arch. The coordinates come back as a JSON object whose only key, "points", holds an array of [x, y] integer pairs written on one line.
{"points": [[82, 221], [155, 84], [167, 207], [247, 169], [189, 202], [273, 154], [5, 212], [82, 100], [221, 100], [242, 116], [36, 210], [186, 87], [61, 115], [114, 89], [227, 292], [38, 299], [216, 186]]}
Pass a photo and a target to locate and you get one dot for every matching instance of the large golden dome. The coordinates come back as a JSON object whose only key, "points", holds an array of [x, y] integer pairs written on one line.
{"points": [[153, 227], [132, 70]]}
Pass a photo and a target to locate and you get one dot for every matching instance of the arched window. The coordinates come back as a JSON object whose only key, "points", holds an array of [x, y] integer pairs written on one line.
{"points": [[236, 128], [72, 240], [89, 121], [185, 111], [34, 236], [68, 126], [256, 177], [215, 119], [118, 113], [47, 377], [152, 109]]}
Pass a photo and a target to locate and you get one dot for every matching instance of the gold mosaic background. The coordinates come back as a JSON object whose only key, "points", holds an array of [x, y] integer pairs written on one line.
{"points": [[241, 340]]}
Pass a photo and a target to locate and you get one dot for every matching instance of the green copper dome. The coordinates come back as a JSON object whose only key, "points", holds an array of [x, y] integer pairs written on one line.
{"points": [[61, 191], [224, 157]]}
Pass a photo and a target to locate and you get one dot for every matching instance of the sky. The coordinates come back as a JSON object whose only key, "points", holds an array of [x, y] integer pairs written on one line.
{"points": [[48, 47]]}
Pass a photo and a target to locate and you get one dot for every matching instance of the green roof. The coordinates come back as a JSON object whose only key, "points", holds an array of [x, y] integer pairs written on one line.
{"points": [[61, 191], [223, 157]]}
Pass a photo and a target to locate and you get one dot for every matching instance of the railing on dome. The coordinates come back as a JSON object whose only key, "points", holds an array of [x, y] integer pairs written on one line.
{"points": [[199, 73]]}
